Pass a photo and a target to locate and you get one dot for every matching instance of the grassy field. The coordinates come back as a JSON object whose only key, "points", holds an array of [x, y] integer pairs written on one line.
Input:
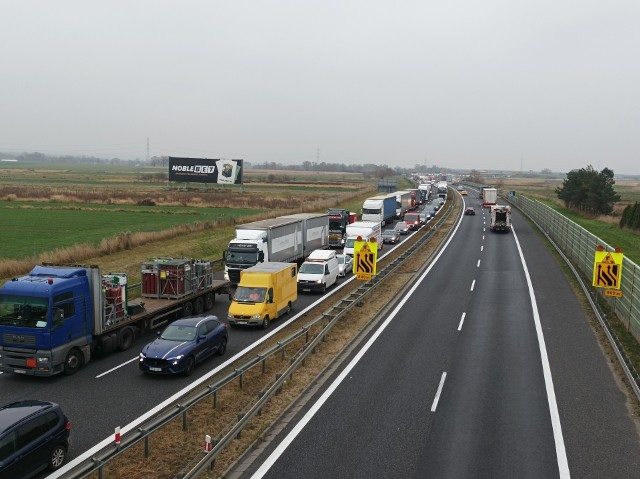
{"points": [[38, 227]]}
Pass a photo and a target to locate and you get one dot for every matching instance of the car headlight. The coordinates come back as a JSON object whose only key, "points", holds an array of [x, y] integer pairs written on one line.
{"points": [[43, 360], [256, 316], [175, 359], [229, 315], [319, 281], [142, 357]]}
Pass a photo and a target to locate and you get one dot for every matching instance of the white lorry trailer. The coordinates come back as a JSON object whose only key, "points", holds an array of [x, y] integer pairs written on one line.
{"points": [[403, 203], [315, 230], [500, 218], [270, 240], [365, 230]]}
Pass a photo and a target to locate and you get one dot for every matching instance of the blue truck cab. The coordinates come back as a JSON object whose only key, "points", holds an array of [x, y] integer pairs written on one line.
{"points": [[46, 320]]}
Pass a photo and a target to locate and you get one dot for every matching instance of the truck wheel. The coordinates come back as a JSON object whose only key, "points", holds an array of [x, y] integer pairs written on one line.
{"points": [[265, 322], [198, 305], [73, 362], [189, 366], [187, 309], [209, 301], [125, 339], [288, 308]]}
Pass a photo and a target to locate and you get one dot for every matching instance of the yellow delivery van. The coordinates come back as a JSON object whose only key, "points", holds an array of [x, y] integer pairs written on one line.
{"points": [[265, 292]]}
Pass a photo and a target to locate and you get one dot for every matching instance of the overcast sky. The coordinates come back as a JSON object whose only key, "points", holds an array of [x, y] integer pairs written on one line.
{"points": [[492, 84]]}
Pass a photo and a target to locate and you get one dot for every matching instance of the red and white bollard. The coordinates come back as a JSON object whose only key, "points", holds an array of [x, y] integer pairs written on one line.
{"points": [[207, 443], [117, 436]]}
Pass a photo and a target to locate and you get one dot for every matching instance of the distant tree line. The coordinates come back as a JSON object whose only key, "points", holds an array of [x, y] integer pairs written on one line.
{"points": [[589, 191], [631, 217]]}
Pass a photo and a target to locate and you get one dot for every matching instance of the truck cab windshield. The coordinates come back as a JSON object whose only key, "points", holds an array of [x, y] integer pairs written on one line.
{"points": [[370, 211], [23, 311], [350, 242], [335, 225], [242, 257]]}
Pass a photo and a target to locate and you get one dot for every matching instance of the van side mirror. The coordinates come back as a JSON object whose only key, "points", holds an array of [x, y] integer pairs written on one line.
{"points": [[261, 256]]}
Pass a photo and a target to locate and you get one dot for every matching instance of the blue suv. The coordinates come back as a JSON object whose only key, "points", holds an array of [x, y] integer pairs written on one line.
{"points": [[34, 435]]}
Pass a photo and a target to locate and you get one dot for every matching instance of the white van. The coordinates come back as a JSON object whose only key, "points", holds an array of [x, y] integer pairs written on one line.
{"points": [[319, 271]]}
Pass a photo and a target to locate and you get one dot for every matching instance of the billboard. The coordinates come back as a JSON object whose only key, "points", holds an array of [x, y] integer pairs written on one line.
{"points": [[202, 170]]}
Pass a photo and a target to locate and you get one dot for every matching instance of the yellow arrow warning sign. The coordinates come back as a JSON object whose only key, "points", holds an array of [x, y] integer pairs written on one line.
{"points": [[607, 270], [365, 256]]}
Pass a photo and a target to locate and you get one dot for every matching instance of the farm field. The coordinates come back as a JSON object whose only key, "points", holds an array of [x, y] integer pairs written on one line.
{"points": [[38, 227]]}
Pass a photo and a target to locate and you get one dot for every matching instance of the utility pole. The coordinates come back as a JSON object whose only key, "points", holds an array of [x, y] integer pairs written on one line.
{"points": [[147, 149]]}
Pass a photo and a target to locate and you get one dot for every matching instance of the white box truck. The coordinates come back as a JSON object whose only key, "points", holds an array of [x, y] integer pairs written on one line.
{"points": [[364, 229], [489, 197]]}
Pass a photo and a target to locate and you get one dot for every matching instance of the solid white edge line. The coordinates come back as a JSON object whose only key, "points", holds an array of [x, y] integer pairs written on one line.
{"points": [[461, 321], [438, 392], [473, 283], [279, 450], [561, 453]]}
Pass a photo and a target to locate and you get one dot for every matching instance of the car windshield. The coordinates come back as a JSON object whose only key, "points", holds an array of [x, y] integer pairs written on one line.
{"points": [[246, 294], [389, 233], [176, 332], [312, 268], [340, 259], [23, 311]]}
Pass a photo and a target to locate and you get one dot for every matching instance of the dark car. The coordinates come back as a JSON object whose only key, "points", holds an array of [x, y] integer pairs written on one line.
{"points": [[34, 435], [470, 210], [402, 227], [183, 344], [390, 236], [425, 216]]}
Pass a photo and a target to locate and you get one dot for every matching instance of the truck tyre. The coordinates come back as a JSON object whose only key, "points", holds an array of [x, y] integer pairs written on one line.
{"points": [[288, 308], [198, 305], [72, 362], [189, 366], [209, 301], [125, 339], [265, 322], [187, 309]]}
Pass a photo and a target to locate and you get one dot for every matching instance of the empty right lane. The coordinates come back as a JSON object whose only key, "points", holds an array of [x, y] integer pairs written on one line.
{"points": [[482, 372]]}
